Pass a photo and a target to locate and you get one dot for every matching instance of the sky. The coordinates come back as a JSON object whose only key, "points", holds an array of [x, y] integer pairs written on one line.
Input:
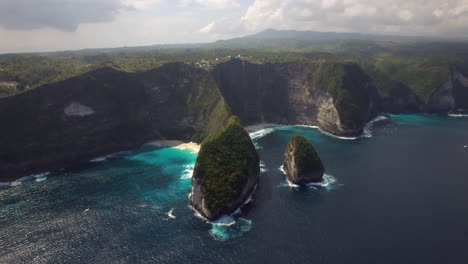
{"points": [[51, 25]]}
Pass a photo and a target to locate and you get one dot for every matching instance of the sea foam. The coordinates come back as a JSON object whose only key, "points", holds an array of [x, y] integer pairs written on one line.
{"points": [[188, 172], [458, 115], [326, 182], [228, 226], [367, 131], [263, 167], [38, 177]]}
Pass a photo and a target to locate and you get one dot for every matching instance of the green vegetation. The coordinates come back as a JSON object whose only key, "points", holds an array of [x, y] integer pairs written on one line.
{"points": [[423, 75], [420, 65], [225, 162], [346, 83], [305, 155], [32, 70], [217, 121]]}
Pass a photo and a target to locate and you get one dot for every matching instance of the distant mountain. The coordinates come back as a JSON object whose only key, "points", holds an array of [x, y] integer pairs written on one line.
{"points": [[273, 34]]}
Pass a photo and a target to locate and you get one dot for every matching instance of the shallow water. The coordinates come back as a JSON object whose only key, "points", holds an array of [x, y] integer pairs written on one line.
{"points": [[399, 196]]}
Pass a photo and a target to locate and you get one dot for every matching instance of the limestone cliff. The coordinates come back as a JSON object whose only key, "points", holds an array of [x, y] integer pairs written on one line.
{"points": [[301, 161], [337, 97], [452, 95], [226, 172], [105, 111]]}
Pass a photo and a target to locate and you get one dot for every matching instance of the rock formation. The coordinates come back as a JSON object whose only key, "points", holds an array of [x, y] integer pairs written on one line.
{"points": [[301, 161], [226, 172], [337, 97], [103, 111]]}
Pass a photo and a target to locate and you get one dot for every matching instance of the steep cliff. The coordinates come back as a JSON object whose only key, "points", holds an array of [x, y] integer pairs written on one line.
{"points": [[105, 111], [302, 164], [447, 92], [452, 96], [338, 97], [226, 172]]}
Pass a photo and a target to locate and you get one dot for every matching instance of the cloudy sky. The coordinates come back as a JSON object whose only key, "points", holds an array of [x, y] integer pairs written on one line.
{"points": [[47, 25]]}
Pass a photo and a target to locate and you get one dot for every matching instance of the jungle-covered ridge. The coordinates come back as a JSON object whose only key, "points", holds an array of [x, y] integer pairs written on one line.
{"points": [[421, 64]]}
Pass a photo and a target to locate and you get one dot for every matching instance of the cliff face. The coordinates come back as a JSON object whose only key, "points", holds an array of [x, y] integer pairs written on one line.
{"points": [[301, 161], [339, 98], [102, 112], [226, 172], [452, 95], [106, 111]]}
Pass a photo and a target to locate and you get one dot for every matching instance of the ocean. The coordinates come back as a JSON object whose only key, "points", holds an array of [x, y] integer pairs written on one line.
{"points": [[399, 194]]}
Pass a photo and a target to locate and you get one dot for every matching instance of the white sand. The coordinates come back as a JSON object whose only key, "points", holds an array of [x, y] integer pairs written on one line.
{"points": [[194, 147], [259, 126]]}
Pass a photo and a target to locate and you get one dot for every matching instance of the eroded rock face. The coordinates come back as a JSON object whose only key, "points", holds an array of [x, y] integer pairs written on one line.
{"points": [[298, 93], [301, 161], [104, 111], [451, 96], [226, 172]]}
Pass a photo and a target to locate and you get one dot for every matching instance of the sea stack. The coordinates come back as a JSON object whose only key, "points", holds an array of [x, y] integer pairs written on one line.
{"points": [[301, 161], [226, 172]]}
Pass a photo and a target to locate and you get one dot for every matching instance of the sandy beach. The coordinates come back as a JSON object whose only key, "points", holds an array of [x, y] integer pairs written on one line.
{"points": [[194, 147], [260, 126]]}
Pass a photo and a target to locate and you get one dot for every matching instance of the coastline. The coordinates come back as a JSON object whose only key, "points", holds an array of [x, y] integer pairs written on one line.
{"points": [[366, 133], [259, 126], [192, 146]]}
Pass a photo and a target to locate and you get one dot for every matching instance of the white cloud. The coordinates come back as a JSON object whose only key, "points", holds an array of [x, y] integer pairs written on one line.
{"points": [[140, 4], [208, 28], [214, 4], [410, 17], [406, 15]]}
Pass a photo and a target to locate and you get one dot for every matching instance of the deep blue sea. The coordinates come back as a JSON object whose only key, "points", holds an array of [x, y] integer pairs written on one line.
{"points": [[398, 195]]}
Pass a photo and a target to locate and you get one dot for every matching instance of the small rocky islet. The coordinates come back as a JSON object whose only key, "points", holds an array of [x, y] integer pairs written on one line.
{"points": [[302, 163], [228, 167], [226, 172]]}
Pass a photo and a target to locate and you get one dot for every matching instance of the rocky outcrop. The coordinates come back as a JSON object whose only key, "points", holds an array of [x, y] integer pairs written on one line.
{"points": [[452, 95], [226, 172], [105, 111], [299, 93], [301, 161]]}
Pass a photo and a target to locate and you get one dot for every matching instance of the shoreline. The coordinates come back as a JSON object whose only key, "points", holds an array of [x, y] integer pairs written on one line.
{"points": [[178, 144], [365, 133], [259, 126]]}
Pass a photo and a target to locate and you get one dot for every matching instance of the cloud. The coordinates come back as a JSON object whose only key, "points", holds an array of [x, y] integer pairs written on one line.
{"points": [[214, 4], [208, 28], [64, 15], [140, 4], [227, 27], [420, 17]]}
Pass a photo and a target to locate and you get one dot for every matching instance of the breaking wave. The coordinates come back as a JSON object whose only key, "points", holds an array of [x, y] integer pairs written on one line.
{"points": [[263, 167], [326, 182], [228, 226], [368, 128], [458, 115], [367, 131], [188, 171], [37, 177]]}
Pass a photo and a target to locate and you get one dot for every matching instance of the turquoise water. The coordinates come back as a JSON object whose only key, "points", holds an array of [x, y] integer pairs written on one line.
{"points": [[391, 197]]}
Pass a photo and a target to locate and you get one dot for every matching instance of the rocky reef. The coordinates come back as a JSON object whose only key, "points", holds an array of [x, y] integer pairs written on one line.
{"points": [[301, 161], [226, 172]]}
